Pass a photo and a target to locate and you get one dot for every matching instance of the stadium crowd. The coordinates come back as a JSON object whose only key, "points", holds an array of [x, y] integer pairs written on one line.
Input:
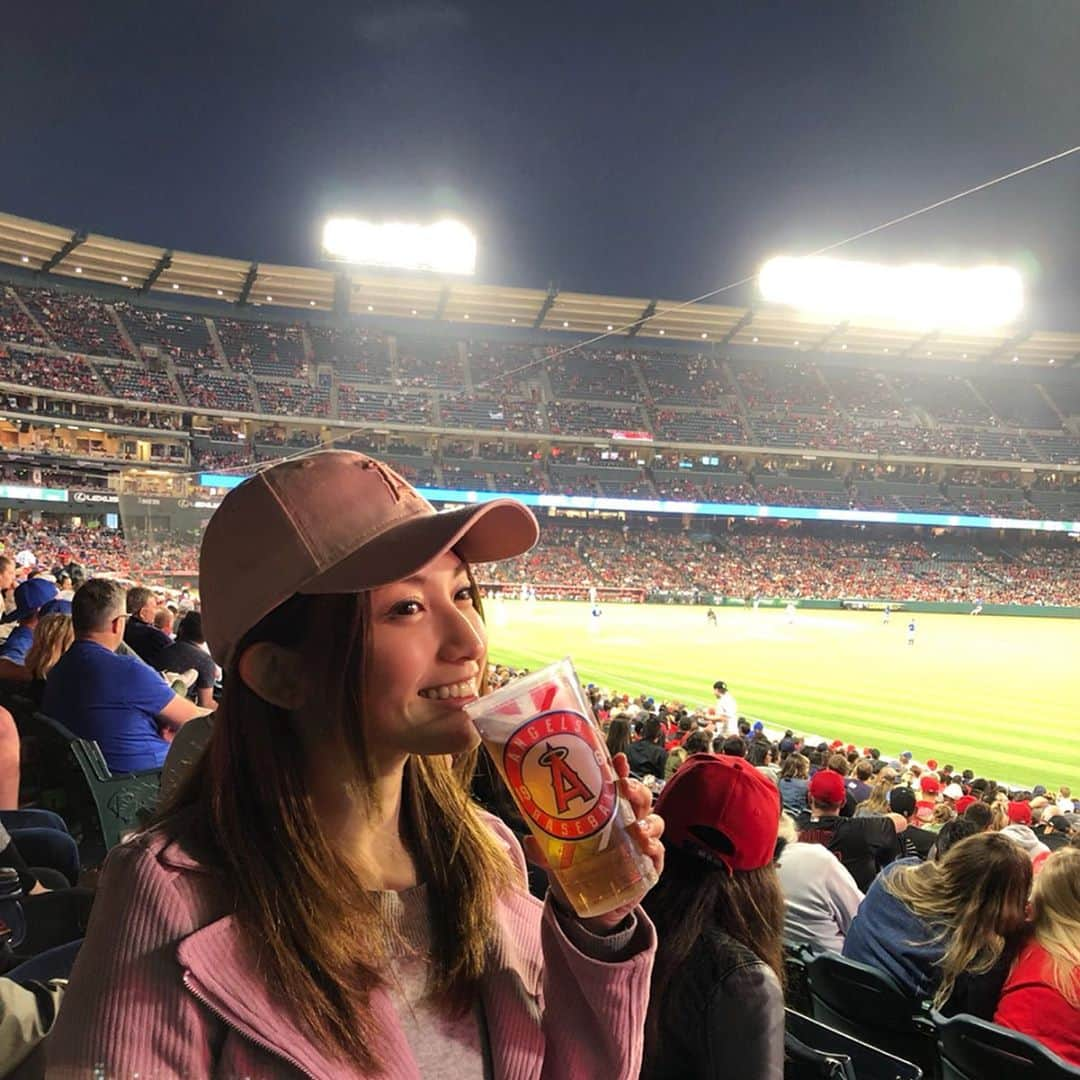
{"points": [[765, 562], [793, 401], [785, 564], [964, 890], [959, 888]]}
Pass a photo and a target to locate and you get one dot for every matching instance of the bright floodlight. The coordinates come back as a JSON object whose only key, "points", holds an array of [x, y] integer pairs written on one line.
{"points": [[446, 247], [918, 295]]}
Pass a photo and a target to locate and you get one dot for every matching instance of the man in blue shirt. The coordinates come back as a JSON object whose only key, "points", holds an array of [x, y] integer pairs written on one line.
{"points": [[118, 701], [30, 597]]}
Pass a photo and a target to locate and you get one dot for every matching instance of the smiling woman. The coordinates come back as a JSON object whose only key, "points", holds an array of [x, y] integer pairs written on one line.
{"points": [[321, 896]]}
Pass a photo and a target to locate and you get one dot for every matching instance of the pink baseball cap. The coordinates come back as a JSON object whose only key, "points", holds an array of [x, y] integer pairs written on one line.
{"points": [[333, 522]]}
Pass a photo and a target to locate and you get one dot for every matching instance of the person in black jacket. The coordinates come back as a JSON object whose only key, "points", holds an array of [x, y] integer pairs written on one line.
{"points": [[914, 841], [716, 1006], [863, 844], [647, 755]]}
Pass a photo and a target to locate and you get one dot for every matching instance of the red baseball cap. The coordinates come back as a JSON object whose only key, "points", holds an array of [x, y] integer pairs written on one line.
{"points": [[964, 802], [930, 785], [851, 748], [827, 787], [931, 764], [1020, 813], [836, 744], [723, 810]]}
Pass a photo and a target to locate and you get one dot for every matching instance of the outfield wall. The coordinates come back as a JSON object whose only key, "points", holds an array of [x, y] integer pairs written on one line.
{"points": [[938, 607]]}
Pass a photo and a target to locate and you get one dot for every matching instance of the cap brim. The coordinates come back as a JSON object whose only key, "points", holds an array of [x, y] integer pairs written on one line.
{"points": [[487, 532]]}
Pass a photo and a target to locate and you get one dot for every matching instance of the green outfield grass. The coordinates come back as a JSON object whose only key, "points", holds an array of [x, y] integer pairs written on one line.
{"points": [[1000, 695]]}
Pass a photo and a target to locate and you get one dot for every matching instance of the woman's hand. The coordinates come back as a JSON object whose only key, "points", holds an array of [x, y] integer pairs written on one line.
{"points": [[646, 831]]}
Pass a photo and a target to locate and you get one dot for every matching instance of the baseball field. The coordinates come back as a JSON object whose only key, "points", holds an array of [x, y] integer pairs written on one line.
{"points": [[999, 695]]}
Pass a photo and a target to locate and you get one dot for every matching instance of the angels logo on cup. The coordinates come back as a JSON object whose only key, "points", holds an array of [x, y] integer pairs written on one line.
{"points": [[561, 775]]}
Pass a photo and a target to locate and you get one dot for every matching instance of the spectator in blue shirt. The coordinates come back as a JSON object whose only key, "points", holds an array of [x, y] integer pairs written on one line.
{"points": [[30, 597], [118, 701]]}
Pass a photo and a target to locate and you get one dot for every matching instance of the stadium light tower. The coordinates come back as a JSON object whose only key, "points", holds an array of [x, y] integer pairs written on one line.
{"points": [[444, 247], [918, 295]]}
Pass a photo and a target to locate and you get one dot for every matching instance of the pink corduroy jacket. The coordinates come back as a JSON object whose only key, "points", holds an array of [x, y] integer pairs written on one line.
{"points": [[166, 986]]}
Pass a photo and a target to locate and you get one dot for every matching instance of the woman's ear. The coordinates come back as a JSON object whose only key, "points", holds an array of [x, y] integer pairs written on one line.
{"points": [[275, 673]]}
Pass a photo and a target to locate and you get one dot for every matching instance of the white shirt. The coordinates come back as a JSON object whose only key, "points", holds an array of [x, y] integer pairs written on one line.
{"points": [[727, 711], [820, 896], [723, 713]]}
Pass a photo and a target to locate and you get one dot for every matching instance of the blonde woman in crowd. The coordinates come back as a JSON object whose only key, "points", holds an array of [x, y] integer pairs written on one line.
{"points": [[947, 929], [877, 805], [53, 636], [999, 814], [1041, 997]]}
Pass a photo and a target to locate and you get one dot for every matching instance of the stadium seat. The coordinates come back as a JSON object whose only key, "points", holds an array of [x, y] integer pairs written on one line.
{"points": [[797, 988], [810, 1045], [802, 1062], [866, 1004], [100, 809], [973, 1049]]}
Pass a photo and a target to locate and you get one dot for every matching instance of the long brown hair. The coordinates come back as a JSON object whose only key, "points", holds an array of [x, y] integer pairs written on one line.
{"points": [[692, 898], [974, 898], [796, 767], [319, 933], [618, 736]]}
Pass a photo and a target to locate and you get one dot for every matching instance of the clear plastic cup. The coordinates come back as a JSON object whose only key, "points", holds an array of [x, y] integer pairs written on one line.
{"points": [[542, 736]]}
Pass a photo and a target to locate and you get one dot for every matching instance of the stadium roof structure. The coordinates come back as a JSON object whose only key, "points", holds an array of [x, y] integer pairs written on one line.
{"points": [[51, 249]]}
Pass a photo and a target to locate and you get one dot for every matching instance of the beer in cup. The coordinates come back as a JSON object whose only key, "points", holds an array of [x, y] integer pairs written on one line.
{"points": [[542, 736]]}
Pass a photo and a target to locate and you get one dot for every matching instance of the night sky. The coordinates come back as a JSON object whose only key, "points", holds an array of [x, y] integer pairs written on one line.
{"points": [[631, 148]]}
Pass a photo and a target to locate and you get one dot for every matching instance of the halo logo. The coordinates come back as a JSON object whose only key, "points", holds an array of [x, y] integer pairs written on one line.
{"points": [[560, 774]]}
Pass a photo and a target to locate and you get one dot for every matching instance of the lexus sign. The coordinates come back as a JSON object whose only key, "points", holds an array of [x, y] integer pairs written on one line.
{"points": [[102, 498]]}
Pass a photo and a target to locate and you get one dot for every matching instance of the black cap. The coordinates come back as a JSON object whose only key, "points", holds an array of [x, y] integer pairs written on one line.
{"points": [[902, 801]]}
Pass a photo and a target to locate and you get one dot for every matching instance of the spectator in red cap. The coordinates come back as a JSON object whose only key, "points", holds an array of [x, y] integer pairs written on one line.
{"points": [[963, 802], [1019, 813], [930, 788], [717, 1002], [863, 844], [931, 764]]}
